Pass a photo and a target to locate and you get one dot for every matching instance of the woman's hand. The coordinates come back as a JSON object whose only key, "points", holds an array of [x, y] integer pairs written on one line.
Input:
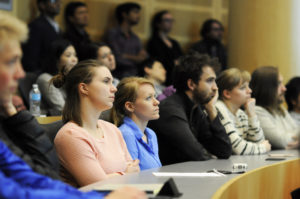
{"points": [[133, 166]]}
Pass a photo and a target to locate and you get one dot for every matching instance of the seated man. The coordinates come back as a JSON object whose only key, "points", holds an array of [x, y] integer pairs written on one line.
{"points": [[189, 128], [17, 180]]}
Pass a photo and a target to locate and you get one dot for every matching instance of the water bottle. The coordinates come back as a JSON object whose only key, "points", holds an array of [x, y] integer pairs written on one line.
{"points": [[35, 100]]}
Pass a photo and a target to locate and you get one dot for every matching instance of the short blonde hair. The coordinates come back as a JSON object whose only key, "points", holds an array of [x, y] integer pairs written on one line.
{"points": [[11, 28], [127, 91], [231, 78]]}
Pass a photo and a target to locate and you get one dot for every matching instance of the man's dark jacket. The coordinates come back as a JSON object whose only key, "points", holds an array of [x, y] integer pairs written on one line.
{"points": [[185, 132], [25, 137], [37, 49]]}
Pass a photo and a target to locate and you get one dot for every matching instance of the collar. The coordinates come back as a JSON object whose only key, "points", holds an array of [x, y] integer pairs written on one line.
{"points": [[137, 132], [53, 23]]}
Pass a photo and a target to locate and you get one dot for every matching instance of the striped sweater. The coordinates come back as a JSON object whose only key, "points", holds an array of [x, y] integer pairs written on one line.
{"points": [[245, 133]]}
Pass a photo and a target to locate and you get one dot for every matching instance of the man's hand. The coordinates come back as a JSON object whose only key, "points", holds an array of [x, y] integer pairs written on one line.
{"points": [[127, 193], [210, 107], [7, 107]]}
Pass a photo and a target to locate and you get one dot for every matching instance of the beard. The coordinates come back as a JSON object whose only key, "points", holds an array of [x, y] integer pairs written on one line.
{"points": [[202, 97]]}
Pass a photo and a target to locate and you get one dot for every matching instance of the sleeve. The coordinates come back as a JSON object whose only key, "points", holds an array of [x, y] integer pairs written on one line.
{"points": [[32, 49], [240, 146], [36, 148], [52, 95], [215, 138], [178, 133], [254, 131], [78, 158], [130, 143], [274, 131], [20, 181], [112, 41]]}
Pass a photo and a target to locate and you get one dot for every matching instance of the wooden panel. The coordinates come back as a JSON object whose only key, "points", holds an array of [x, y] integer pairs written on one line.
{"points": [[189, 2], [275, 181], [47, 120]]}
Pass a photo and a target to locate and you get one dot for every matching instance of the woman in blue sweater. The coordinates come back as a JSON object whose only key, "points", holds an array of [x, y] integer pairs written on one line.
{"points": [[135, 104]]}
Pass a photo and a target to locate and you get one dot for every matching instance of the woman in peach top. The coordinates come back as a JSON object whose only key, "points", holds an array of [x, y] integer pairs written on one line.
{"points": [[89, 149]]}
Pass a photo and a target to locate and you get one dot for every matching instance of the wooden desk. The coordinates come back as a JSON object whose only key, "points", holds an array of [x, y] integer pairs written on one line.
{"points": [[263, 178]]}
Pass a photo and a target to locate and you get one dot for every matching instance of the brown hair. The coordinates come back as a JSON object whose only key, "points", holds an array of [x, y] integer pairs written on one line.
{"points": [[264, 85], [83, 72], [231, 78], [127, 91]]}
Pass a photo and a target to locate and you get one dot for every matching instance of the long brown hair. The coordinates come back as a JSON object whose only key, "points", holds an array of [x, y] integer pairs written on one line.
{"points": [[127, 91], [264, 85], [83, 72]]}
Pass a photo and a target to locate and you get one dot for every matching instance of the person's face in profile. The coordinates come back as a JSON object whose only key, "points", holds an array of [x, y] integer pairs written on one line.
{"points": [[52, 7], [280, 90], [106, 57], [101, 91], [68, 59], [145, 107], [156, 72], [239, 94], [206, 88], [10, 69]]}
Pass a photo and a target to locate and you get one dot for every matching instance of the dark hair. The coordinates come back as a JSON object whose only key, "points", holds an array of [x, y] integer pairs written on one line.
{"points": [[57, 48], [125, 8], [264, 85], [156, 20], [83, 72], [206, 27], [70, 11], [292, 92], [91, 50], [190, 67], [146, 63], [38, 2]]}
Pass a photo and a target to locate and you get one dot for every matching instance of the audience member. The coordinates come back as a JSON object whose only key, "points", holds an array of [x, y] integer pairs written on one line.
{"points": [[17, 180], [212, 34], [19, 130], [278, 126], [162, 47], [134, 106], [102, 53], [189, 128], [292, 96], [242, 127], [125, 44], [76, 19], [62, 56], [154, 71], [89, 149], [42, 32]]}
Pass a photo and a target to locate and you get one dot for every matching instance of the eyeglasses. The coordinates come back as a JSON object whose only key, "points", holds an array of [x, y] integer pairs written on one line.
{"points": [[54, 1]]}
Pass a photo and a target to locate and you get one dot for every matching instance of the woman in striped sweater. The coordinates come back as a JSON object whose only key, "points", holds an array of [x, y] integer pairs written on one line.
{"points": [[242, 127]]}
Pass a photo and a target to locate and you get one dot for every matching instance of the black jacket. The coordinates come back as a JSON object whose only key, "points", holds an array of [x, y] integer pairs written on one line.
{"points": [[167, 56], [213, 49], [185, 133], [79, 38], [28, 140], [37, 48]]}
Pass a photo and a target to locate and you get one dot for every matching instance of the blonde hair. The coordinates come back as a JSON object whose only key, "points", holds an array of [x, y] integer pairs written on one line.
{"points": [[11, 28], [231, 78], [127, 91]]}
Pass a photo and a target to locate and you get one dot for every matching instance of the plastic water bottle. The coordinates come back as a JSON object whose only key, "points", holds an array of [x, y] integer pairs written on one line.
{"points": [[35, 100]]}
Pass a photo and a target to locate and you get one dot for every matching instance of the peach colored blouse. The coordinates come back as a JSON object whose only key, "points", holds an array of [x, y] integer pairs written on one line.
{"points": [[86, 159]]}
